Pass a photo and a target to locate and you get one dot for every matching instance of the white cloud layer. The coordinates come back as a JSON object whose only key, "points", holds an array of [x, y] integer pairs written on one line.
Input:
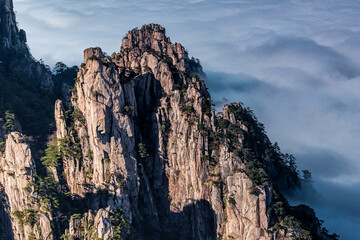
{"points": [[296, 63]]}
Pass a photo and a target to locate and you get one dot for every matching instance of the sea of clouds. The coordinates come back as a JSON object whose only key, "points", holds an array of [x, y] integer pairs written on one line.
{"points": [[295, 63]]}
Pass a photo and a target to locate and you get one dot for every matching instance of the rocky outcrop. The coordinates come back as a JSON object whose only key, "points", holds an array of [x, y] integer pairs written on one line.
{"points": [[61, 131], [16, 178], [149, 138], [140, 153], [90, 226]]}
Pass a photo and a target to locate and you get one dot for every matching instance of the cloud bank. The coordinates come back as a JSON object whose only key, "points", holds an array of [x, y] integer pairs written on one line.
{"points": [[296, 63]]}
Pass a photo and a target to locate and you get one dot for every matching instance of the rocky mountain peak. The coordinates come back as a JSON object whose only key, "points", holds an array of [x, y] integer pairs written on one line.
{"points": [[151, 39], [92, 53], [151, 36], [140, 154]]}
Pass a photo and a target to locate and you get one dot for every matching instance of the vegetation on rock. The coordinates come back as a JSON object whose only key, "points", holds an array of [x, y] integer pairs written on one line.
{"points": [[165, 189]]}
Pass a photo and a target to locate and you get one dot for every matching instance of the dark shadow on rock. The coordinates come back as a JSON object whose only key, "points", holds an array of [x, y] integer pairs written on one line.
{"points": [[154, 189], [196, 221], [154, 218], [5, 219]]}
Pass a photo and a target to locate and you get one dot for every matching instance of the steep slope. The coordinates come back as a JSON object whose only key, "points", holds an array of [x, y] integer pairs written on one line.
{"points": [[147, 148], [27, 96], [139, 152], [15, 54], [25, 82], [28, 88], [29, 221]]}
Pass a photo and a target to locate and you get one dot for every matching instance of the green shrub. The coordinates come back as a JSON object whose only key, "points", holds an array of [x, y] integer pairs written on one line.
{"points": [[27, 217], [77, 115], [142, 151], [147, 69], [129, 109], [118, 57], [93, 57], [89, 154], [137, 70], [2, 146], [162, 128], [256, 173], [27, 188], [151, 51], [52, 156], [9, 124], [218, 183], [291, 222], [255, 191], [231, 200], [30, 217], [188, 110], [205, 157], [66, 237], [76, 216], [120, 225], [19, 215], [69, 148], [32, 236], [73, 90], [195, 76], [88, 172], [239, 170], [106, 64], [201, 127], [122, 228]]}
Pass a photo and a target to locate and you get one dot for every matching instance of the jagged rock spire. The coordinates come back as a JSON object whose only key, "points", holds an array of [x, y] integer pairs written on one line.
{"points": [[150, 36]]}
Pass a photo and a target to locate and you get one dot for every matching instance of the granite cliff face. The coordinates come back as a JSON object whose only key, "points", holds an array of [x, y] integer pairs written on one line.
{"points": [[16, 175], [139, 153]]}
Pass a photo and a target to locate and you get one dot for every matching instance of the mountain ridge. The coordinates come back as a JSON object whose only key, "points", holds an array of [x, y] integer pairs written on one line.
{"points": [[140, 153]]}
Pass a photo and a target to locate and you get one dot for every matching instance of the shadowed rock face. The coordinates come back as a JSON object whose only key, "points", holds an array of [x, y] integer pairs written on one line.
{"points": [[6, 232], [10, 35], [15, 54], [26, 84], [141, 154]]}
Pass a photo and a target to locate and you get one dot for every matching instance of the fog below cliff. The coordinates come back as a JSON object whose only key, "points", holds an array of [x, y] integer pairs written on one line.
{"points": [[308, 124], [296, 63]]}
